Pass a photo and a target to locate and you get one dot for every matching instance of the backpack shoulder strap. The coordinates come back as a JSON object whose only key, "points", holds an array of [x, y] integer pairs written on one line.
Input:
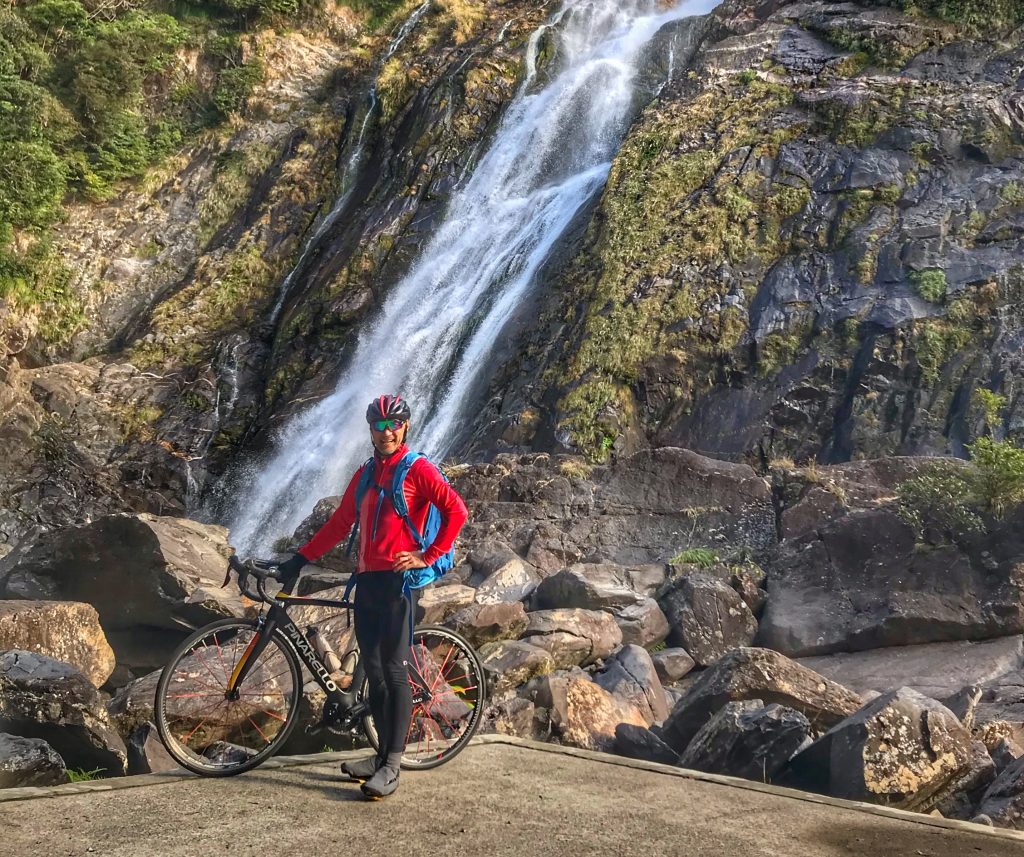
{"points": [[362, 486], [398, 495]]}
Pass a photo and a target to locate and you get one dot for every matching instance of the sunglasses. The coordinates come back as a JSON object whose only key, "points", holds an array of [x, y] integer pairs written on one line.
{"points": [[394, 425]]}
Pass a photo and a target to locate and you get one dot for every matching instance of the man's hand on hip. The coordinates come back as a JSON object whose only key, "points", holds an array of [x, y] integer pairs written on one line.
{"points": [[409, 559]]}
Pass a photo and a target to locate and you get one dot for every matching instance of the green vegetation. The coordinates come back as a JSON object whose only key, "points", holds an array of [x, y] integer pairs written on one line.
{"points": [[978, 17], [80, 775], [991, 403], [998, 474], [704, 557], [93, 94], [930, 284]]}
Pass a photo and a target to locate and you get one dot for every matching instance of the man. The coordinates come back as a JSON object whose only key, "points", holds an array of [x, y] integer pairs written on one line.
{"points": [[387, 549]]}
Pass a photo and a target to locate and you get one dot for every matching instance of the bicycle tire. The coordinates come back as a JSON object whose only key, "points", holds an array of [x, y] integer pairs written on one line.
{"points": [[206, 676], [419, 755]]}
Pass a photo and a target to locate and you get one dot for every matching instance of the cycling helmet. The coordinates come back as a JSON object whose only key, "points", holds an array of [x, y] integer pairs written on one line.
{"points": [[388, 408]]}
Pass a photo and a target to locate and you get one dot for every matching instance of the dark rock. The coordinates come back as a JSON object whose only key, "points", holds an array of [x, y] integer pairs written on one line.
{"points": [[1005, 753], [29, 762], [750, 673], [50, 700], [630, 675], [964, 794], [636, 742], [512, 716], [747, 739], [902, 750], [642, 624], [146, 752], [1003, 801], [862, 585], [708, 618], [589, 586]]}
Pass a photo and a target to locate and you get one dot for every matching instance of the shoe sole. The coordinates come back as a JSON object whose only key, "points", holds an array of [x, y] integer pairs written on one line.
{"points": [[372, 796]]}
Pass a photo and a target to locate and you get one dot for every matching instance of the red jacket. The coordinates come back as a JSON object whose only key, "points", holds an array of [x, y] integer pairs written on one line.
{"points": [[423, 485]]}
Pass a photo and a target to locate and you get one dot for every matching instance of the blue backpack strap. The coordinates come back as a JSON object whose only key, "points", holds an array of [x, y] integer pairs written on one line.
{"points": [[398, 495], [362, 486]]}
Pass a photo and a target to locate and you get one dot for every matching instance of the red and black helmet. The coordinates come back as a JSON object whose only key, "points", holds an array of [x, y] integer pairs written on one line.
{"points": [[388, 408]]}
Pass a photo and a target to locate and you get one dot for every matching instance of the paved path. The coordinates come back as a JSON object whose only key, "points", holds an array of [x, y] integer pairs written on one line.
{"points": [[494, 799]]}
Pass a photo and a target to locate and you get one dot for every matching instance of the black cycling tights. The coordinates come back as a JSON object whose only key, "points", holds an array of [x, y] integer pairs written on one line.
{"points": [[382, 629]]}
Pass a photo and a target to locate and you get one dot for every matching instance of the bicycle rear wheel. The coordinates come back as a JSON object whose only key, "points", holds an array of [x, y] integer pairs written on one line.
{"points": [[213, 732], [449, 690]]}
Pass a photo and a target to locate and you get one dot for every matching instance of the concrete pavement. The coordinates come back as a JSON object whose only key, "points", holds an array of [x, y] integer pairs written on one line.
{"points": [[501, 796]]}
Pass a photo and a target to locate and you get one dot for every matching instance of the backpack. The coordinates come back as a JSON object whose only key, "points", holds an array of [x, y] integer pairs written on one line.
{"points": [[415, 578]]}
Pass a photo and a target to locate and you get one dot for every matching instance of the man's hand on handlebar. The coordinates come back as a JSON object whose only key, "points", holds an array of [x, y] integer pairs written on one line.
{"points": [[288, 571]]}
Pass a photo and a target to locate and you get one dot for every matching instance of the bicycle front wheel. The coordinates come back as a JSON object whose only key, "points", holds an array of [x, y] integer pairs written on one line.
{"points": [[448, 689], [216, 732]]}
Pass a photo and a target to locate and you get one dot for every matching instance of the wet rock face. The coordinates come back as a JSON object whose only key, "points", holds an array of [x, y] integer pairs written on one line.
{"points": [[861, 275], [902, 750]]}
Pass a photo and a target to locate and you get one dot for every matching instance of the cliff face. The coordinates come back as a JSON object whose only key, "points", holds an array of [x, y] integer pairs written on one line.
{"points": [[810, 246]]}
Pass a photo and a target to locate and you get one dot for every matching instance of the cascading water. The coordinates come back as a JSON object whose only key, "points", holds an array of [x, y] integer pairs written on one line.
{"points": [[550, 155]]}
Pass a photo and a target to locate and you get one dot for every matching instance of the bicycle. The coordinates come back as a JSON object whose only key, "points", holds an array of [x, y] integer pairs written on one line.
{"points": [[229, 697]]}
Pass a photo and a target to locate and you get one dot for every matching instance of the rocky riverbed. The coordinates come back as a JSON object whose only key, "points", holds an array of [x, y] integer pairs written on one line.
{"points": [[828, 647]]}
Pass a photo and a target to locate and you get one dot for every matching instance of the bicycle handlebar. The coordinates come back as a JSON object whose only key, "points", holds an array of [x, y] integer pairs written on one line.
{"points": [[262, 570]]}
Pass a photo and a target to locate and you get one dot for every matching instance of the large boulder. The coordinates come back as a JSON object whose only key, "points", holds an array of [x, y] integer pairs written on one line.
{"points": [[707, 617], [609, 587], [29, 762], [436, 603], [1003, 801], [901, 749], [581, 713], [751, 673], [636, 742], [67, 631], [487, 623], [150, 579], [630, 675], [592, 586], [573, 636], [44, 698], [511, 580], [511, 663], [748, 739], [860, 583]]}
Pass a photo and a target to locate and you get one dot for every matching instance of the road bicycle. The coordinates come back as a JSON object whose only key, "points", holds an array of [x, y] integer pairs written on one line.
{"points": [[230, 696]]}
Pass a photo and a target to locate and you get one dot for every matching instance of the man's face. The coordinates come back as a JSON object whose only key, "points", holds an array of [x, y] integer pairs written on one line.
{"points": [[389, 439]]}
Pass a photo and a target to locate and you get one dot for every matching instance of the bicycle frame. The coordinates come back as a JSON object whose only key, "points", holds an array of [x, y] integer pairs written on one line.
{"points": [[277, 618]]}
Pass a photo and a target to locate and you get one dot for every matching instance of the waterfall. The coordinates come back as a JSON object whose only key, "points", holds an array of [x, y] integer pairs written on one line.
{"points": [[551, 154]]}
